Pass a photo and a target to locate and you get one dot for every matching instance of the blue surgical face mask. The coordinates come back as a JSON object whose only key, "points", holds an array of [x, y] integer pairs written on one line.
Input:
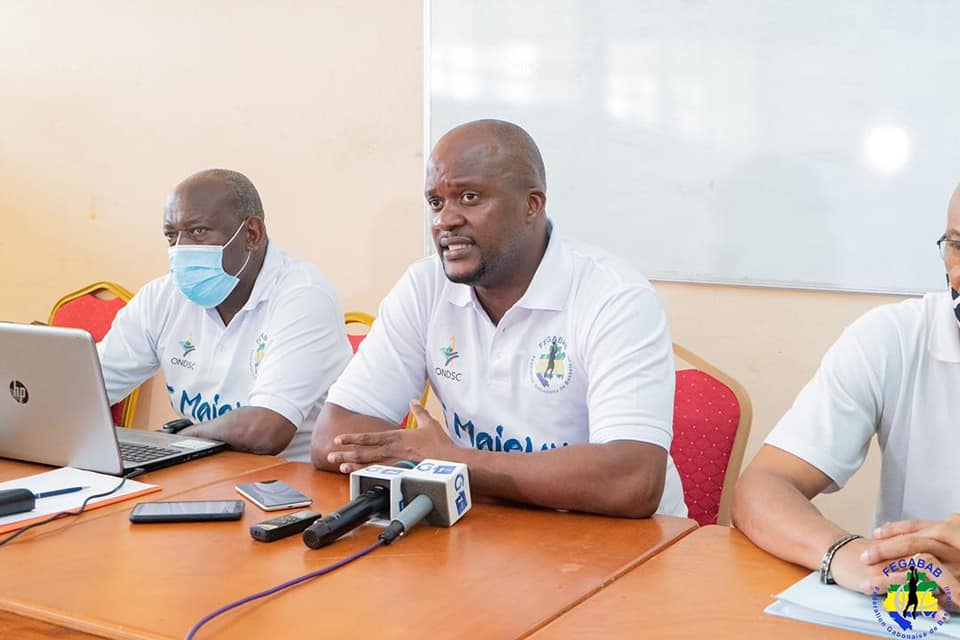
{"points": [[955, 296], [197, 270]]}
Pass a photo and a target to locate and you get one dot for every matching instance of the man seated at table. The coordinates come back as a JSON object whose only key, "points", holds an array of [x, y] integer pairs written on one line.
{"points": [[895, 373], [249, 338], [552, 361]]}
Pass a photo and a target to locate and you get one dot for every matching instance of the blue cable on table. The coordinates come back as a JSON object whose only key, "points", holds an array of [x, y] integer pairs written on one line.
{"points": [[290, 583]]}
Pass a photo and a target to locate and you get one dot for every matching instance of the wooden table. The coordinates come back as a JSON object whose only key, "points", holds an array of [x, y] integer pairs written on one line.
{"points": [[171, 480], [712, 584], [502, 572]]}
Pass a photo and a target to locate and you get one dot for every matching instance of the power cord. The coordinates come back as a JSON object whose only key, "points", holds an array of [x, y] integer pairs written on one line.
{"points": [[64, 514], [290, 583]]}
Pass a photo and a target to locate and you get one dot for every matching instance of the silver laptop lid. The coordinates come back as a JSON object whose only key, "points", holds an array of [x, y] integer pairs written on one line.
{"points": [[53, 405]]}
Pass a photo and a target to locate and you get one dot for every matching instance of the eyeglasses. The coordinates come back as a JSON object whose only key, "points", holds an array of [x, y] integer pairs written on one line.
{"points": [[949, 249]]}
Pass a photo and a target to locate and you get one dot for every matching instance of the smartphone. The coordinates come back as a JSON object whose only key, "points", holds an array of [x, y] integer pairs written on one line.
{"points": [[187, 511], [272, 495]]}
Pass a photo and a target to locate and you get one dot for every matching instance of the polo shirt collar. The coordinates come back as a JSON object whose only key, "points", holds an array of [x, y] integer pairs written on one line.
{"points": [[263, 285], [944, 332], [550, 286], [551, 283]]}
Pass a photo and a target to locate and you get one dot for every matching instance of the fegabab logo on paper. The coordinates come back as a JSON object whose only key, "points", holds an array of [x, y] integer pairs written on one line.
{"points": [[19, 392], [909, 607]]}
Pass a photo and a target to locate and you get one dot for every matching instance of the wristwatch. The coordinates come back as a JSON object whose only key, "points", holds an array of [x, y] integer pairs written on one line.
{"points": [[176, 425]]}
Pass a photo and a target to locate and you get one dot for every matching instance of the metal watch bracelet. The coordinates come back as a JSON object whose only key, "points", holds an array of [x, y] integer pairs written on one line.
{"points": [[826, 577]]}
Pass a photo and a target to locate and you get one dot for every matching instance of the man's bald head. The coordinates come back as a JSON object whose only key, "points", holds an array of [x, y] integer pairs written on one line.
{"points": [[498, 146], [222, 190], [485, 184], [953, 210]]}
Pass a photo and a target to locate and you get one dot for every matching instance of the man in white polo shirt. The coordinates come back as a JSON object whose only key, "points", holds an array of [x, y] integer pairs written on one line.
{"points": [[894, 373], [553, 362], [249, 338]]}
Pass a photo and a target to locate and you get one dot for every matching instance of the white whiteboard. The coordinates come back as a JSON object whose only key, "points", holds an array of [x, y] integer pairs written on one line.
{"points": [[802, 144]]}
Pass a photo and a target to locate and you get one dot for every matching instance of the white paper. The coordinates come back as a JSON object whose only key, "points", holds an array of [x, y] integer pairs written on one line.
{"points": [[61, 479], [830, 605]]}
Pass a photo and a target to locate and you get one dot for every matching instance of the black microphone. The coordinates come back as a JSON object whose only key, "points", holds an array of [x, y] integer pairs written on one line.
{"points": [[375, 501]]}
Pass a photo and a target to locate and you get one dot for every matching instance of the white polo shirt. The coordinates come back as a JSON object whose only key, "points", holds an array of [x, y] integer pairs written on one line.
{"points": [[585, 356], [895, 372], [282, 351]]}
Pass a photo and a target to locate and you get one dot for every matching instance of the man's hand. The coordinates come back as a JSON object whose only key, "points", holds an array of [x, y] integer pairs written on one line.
{"points": [[903, 539], [351, 451]]}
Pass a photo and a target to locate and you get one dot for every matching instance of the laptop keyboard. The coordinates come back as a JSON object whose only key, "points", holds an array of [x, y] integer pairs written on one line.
{"points": [[143, 453]]}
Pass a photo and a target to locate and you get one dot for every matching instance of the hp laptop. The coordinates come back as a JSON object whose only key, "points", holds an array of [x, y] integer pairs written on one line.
{"points": [[53, 408]]}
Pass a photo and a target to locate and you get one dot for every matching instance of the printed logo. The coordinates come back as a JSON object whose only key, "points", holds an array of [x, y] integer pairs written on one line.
{"points": [[908, 608], [550, 368], [183, 361], [465, 431], [450, 353], [258, 354], [19, 392], [188, 346], [461, 501], [198, 408]]}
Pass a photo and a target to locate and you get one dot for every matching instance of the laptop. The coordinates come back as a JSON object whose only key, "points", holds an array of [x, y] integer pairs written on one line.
{"points": [[54, 409]]}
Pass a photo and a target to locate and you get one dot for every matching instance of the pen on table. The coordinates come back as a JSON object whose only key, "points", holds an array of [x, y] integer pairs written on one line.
{"points": [[59, 492]]}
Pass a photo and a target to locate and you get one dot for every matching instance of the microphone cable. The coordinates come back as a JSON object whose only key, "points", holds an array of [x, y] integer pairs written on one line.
{"points": [[416, 511], [64, 514], [280, 587]]}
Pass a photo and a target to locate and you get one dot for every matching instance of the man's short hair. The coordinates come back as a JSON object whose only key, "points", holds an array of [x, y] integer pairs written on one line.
{"points": [[246, 200]]}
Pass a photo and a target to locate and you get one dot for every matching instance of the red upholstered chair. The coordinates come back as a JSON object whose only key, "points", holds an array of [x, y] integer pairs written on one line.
{"points": [[359, 317], [93, 308], [711, 422]]}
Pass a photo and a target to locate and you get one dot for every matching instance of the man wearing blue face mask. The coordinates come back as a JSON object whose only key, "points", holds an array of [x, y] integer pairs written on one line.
{"points": [[249, 338], [893, 374]]}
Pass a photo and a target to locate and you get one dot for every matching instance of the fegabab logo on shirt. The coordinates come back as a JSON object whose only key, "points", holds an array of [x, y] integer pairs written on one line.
{"points": [[909, 607], [450, 354], [550, 368], [258, 353]]}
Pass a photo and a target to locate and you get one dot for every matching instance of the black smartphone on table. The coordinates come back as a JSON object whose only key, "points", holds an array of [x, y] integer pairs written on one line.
{"points": [[187, 511], [272, 495]]}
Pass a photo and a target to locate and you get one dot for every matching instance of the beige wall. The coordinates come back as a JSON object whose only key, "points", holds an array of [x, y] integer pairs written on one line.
{"points": [[771, 341], [105, 106]]}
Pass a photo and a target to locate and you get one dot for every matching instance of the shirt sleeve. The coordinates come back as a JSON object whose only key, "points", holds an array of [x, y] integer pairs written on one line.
{"points": [[835, 415], [630, 370], [128, 353], [306, 350], [389, 369]]}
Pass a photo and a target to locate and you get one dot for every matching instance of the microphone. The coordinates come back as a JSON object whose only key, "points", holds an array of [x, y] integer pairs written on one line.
{"points": [[434, 490], [447, 484], [374, 501], [381, 475]]}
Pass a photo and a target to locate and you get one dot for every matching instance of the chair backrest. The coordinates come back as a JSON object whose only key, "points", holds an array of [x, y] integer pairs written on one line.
{"points": [[711, 423], [359, 317], [93, 308]]}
